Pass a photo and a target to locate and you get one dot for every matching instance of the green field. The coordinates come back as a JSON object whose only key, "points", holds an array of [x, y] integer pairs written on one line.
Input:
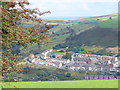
{"points": [[64, 84]]}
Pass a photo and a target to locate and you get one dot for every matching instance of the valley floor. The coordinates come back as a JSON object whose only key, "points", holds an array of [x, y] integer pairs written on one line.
{"points": [[64, 84]]}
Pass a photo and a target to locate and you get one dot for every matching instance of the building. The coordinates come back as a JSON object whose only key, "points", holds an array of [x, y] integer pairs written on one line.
{"points": [[59, 55], [94, 77], [44, 54]]}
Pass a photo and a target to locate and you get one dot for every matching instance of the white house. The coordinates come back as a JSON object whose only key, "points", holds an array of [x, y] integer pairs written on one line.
{"points": [[45, 53], [31, 56], [68, 61], [60, 65]]}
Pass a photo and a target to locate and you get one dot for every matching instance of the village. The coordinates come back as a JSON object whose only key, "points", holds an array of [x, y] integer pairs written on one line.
{"points": [[78, 62]]}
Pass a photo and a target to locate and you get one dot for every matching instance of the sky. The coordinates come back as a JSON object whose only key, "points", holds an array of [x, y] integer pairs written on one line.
{"points": [[69, 8]]}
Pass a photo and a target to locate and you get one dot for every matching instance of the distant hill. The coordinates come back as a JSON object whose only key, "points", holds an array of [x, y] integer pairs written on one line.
{"points": [[98, 31], [105, 37], [96, 34], [64, 18]]}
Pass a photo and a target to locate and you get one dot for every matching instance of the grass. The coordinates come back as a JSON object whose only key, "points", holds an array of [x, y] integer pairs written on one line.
{"points": [[92, 48], [64, 84], [109, 24]]}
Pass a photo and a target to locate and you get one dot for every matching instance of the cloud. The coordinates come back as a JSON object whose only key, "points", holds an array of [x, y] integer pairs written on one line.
{"points": [[85, 6], [101, 0], [73, 7], [71, 1]]}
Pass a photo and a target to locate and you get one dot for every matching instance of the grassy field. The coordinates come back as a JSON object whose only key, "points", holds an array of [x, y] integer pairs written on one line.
{"points": [[64, 84]]}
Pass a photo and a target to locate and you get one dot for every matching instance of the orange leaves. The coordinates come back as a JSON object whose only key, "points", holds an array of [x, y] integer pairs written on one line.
{"points": [[26, 10], [20, 70], [14, 34], [12, 57], [48, 26], [27, 41], [0, 9], [38, 20], [8, 65], [36, 31]]}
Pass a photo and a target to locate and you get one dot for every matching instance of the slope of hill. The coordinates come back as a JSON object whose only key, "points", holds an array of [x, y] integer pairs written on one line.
{"points": [[98, 33], [105, 37]]}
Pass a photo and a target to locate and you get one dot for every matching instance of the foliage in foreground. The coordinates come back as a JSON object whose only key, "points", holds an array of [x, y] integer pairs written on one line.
{"points": [[12, 14]]}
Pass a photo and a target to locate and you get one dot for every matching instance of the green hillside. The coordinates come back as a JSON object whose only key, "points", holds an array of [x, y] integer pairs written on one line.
{"points": [[88, 32], [105, 37], [98, 32], [82, 26], [110, 23]]}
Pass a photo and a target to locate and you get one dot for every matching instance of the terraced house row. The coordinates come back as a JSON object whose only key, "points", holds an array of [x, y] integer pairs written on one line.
{"points": [[78, 62]]}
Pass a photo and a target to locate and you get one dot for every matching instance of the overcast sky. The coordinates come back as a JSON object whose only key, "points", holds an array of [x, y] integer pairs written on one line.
{"points": [[63, 8]]}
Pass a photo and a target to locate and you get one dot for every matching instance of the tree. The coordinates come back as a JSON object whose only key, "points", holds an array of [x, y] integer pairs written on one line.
{"points": [[67, 56], [12, 16], [110, 18], [53, 56], [68, 75]]}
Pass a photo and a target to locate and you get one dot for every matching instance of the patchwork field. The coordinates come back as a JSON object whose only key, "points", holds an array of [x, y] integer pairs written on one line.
{"points": [[64, 84]]}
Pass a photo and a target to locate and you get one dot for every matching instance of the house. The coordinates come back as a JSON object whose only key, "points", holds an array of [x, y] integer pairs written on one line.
{"points": [[59, 60], [101, 19], [58, 64], [45, 53], [100, 76], [105, 69], [96, 77], [105, 77], [75, 67], [113, 69], [42, 57], [51, 64], [33, 60], [28, 60], [111, 77], [104, 19], [91, 77], [42, 62], [59, 55], [86, 77], [116, 64], [31, 56], [68, 61]]}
